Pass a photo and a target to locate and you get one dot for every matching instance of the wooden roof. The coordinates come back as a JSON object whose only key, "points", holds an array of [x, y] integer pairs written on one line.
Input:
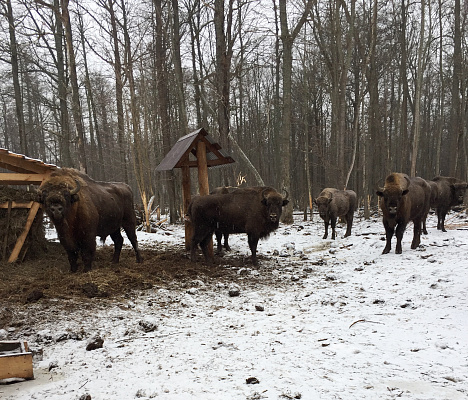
{"points": [[27, 170], [184, 152]]}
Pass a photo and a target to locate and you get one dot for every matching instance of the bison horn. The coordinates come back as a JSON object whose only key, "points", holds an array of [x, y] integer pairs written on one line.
{"points": [[77, 188], [287, 194]]}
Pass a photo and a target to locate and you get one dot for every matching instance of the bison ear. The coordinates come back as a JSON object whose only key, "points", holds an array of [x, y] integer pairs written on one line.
{"points": [[74, 198], [330, 200], [379, 193], [404, 192], [285, 202], [40, 197]]}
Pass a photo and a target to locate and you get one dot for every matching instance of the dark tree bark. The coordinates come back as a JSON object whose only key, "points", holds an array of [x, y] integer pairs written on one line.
{"points": [[16, 77], [76, 105]]}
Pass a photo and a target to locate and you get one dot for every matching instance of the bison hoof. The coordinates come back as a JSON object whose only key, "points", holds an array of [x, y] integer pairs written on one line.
{"points": [[324, 236], [386, 250], [398, 251]]}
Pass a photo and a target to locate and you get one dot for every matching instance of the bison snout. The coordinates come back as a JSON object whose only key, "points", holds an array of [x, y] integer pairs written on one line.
{"points": [[273, 217], [392, 210], [56, 212]]}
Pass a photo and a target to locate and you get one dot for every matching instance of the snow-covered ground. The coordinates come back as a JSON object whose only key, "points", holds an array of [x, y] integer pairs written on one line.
{"points": [[344, 322]]}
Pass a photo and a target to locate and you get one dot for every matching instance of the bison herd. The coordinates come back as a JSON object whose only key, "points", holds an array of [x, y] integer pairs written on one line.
{"points": [[82, 209]]}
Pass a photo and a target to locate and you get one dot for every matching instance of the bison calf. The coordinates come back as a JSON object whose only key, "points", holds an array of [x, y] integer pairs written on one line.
{"points": [[333, 203], [255, 211], [81, 209], [403, 199]]}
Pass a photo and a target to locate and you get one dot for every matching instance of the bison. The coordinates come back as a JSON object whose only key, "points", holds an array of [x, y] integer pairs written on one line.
{"points": [[255, 211], [333, 203], [81, 209], [403, 199], [219, 235], [447, 192]]}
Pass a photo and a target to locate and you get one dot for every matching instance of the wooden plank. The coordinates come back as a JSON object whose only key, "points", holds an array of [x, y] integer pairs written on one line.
{"points": [[15, 204], [16, 366], [21, 163], [8, 178], [20, 241], [15, 360]]}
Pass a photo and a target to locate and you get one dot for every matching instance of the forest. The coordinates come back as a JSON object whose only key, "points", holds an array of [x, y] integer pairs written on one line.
{"points": [[303, 94]]}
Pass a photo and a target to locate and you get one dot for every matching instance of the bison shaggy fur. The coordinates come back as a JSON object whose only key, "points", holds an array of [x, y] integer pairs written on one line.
{"points": [[255, 211], [403, 199], [82, 209], [332, 204], [447, 192]]}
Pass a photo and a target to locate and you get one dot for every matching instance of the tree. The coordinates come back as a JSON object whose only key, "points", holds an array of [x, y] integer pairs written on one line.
{"points": [[287, 40], [8, 13]]}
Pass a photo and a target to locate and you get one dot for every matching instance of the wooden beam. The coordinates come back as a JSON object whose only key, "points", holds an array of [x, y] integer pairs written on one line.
{"points": [[8, 178], [187, 197], [203, 185], [15, 204], [20, 241]]}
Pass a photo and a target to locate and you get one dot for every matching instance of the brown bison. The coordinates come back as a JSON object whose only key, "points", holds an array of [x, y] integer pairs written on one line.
{"points": [[219, 235], [403, 199], [255, 211], [447, 192], [81, 209], [333, 203]]}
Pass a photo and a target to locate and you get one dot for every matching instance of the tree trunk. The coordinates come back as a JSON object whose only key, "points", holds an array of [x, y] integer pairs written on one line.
{"points": [[118, 91], [16, 79]]}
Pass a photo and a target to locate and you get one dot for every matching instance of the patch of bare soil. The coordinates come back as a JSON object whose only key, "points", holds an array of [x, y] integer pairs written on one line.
{"points": [[49, 276]]}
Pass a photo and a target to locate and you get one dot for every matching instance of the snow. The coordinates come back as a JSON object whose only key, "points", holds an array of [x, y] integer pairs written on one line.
{"points": [[344, 322]]}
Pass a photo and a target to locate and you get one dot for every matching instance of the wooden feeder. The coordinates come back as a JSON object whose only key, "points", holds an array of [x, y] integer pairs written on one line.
{"points": [[26, 171], [195, 150], [15, 361]]}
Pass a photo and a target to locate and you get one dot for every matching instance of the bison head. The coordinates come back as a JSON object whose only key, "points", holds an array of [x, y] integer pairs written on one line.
{"points": [[391, 199], [56, 199], [458, 192], [323, 205], [274, 204]]}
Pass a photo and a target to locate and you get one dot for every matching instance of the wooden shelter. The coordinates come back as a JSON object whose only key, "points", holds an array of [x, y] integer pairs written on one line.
{"points": [[195, 150], [25, 171]]}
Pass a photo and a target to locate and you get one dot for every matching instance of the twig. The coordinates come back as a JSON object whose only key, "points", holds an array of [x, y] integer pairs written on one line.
{"points": [[87, 380], [365, 320]]}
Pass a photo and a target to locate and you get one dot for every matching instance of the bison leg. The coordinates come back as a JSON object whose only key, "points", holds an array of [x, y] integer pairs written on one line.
{"points": [[73, 260], [204, 244], [326, 230], [400, 230], [253, 241], [349, 224], [131, 235], [118, 243], [389, 231], [219, 245], [333, 225], [416, 234], [424, 229], [441, 213], [226, 242]]}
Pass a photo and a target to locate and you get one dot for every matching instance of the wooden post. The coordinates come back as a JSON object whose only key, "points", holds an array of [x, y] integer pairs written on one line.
{"points": [[186, 197], [203, 185], [5, 239], [20, 241]]}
